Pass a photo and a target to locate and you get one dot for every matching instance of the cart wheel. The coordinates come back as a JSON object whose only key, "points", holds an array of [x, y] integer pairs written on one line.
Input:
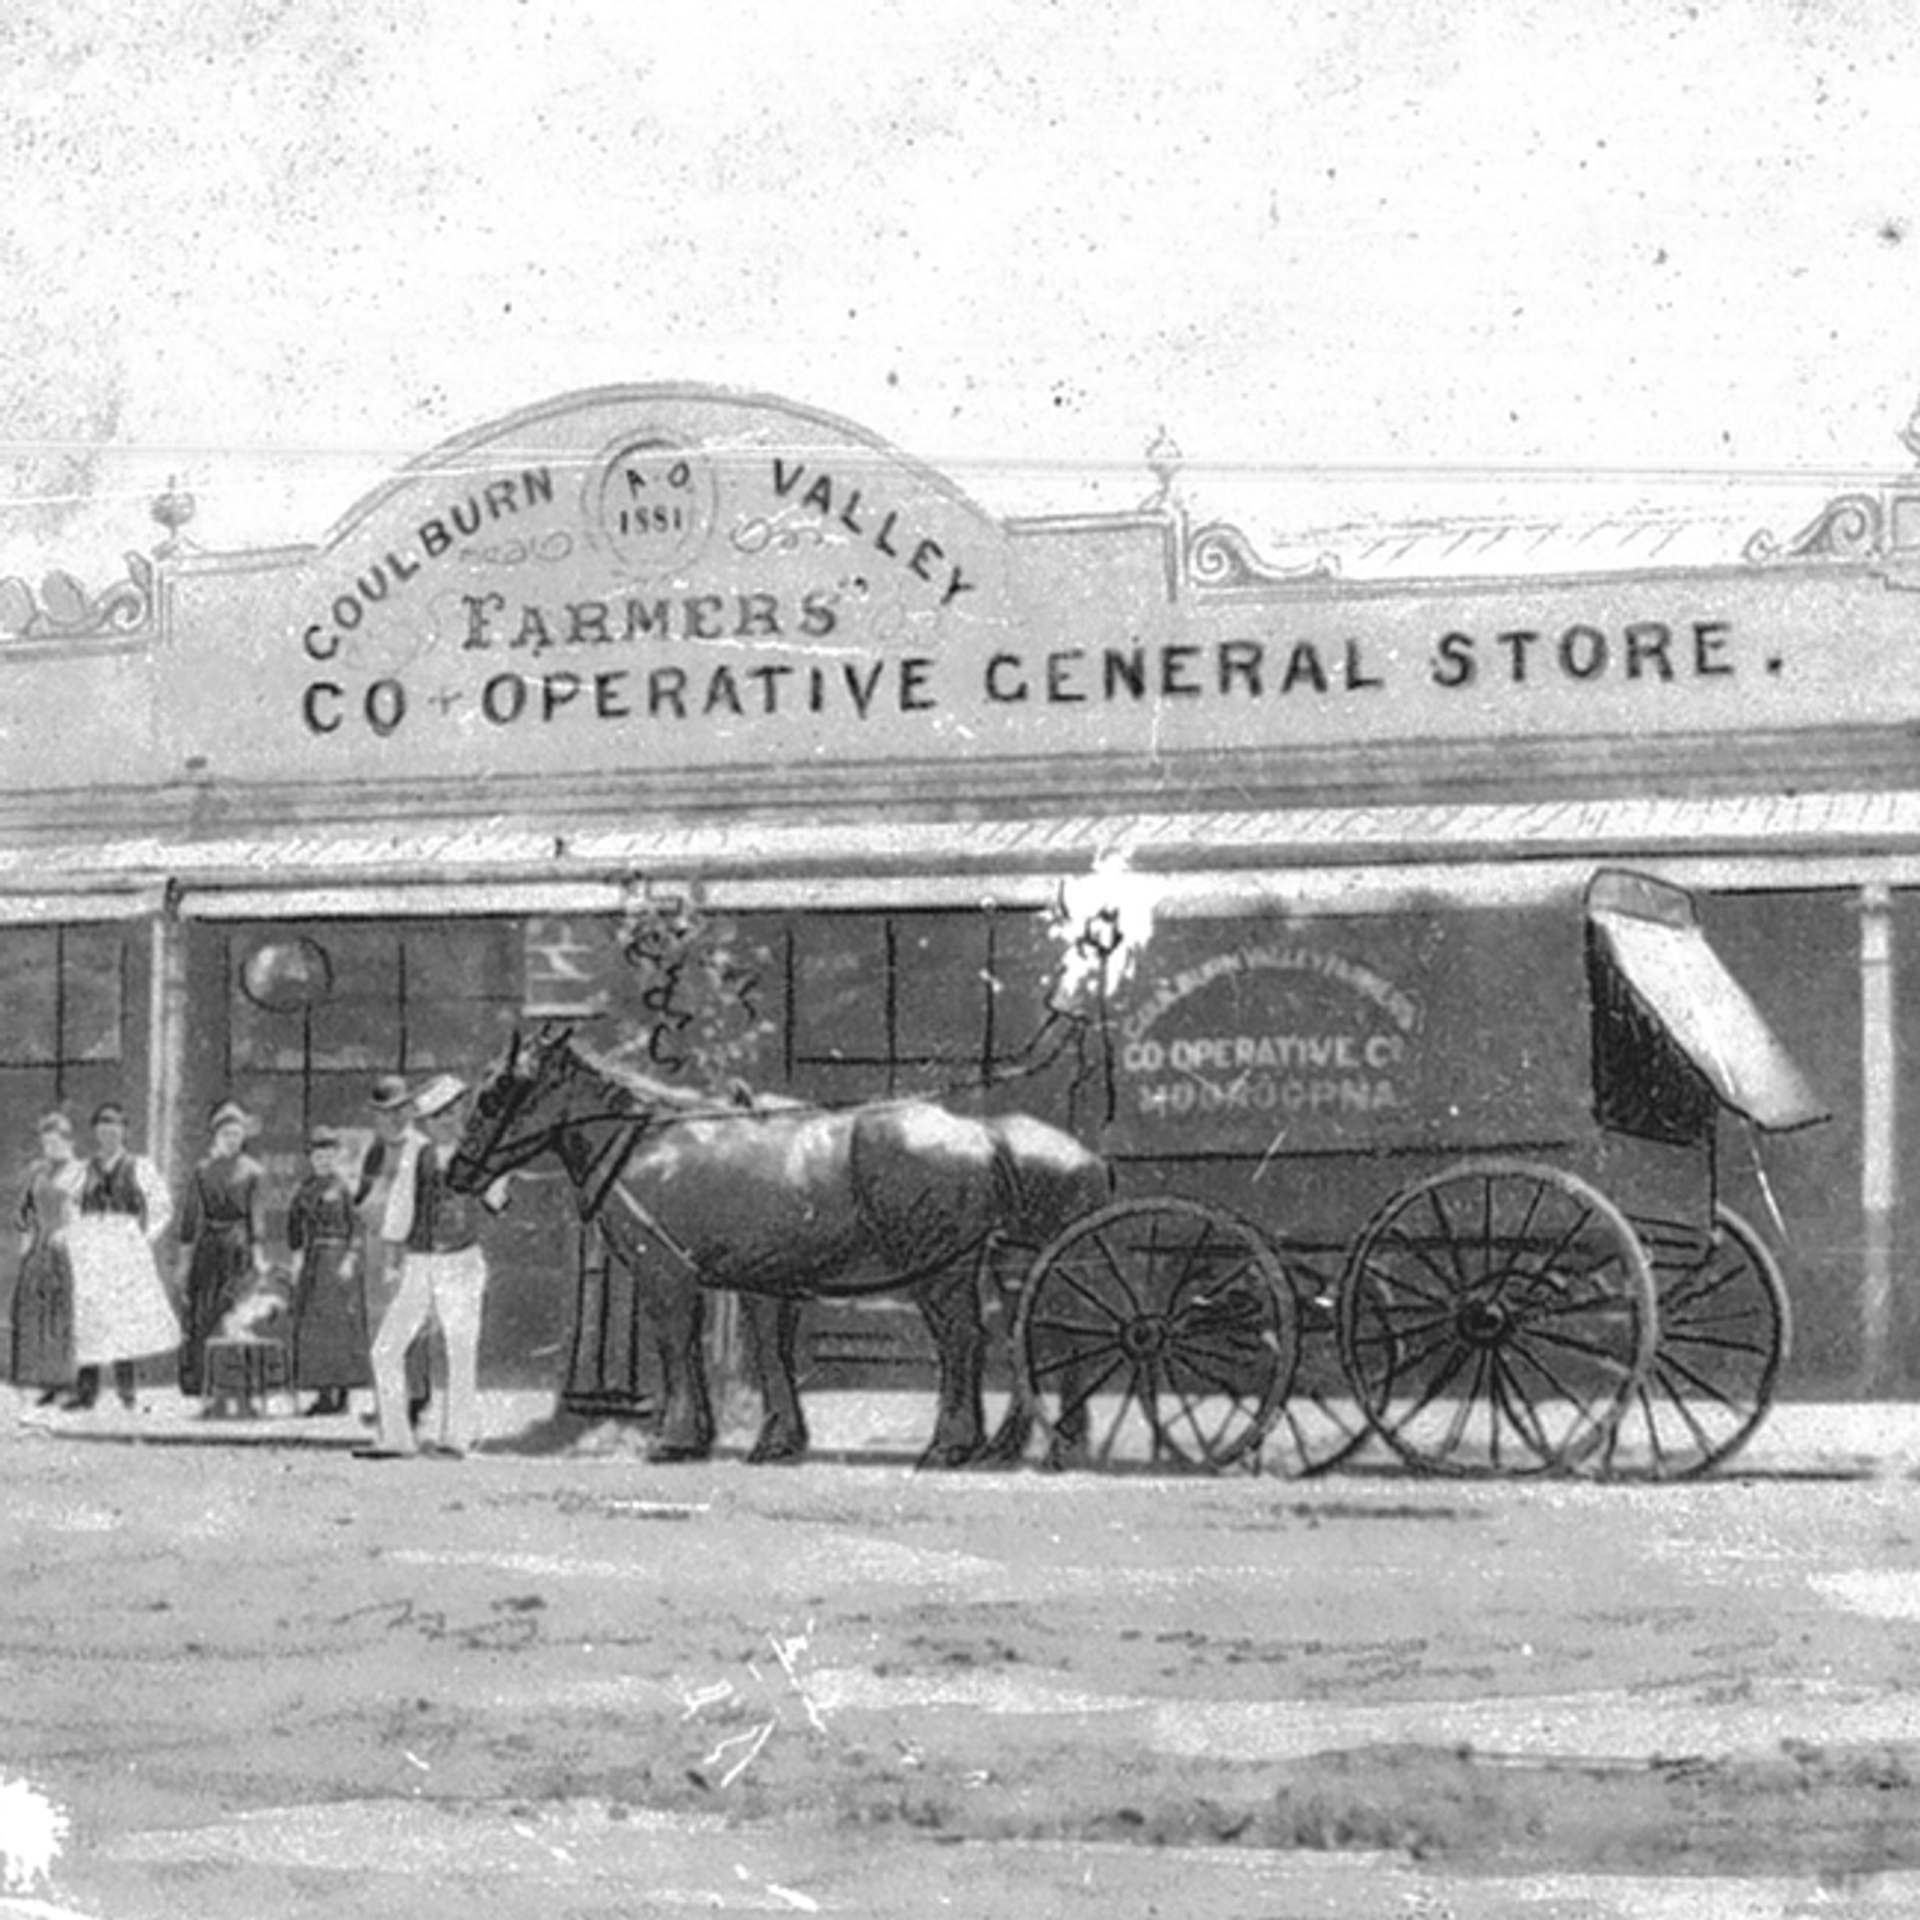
{"points": [[1725, 1331], [1321, 1423], [1495, 1319], [1155, 1331]]}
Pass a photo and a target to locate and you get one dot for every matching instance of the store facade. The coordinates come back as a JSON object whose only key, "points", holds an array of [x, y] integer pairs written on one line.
{"points": [[724, 731]]}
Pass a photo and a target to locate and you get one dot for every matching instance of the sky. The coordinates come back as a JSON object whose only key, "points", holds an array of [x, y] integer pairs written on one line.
{"points": [[1392, 259]]}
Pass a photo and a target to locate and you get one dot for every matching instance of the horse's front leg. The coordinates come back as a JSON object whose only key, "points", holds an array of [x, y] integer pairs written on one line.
{"points": [[950, 1304], [773, 1332], [686, 1422]]}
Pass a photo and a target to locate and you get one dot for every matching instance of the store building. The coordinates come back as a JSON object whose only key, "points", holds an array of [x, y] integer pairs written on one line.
{"points": [[722, 727]]}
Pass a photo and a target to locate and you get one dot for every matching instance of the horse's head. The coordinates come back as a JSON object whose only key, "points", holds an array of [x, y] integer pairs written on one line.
{"points": [[516, 1112]]}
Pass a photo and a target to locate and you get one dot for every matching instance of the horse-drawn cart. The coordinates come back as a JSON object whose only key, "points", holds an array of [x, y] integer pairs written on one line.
{"points": [[1445, 1175]]}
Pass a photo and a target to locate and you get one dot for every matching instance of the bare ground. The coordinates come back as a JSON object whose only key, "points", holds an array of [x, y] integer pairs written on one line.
{"points": [[265, 1678]]}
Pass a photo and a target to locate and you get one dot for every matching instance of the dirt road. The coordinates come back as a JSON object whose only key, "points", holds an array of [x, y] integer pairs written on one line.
{"points": [[257, 1677]]}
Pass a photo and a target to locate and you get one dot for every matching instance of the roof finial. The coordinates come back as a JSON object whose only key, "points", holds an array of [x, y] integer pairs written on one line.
{"points": [[1164, 460], [173, 509]]}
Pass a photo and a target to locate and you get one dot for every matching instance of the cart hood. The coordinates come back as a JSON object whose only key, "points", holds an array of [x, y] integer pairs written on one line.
{"points": [[1650, 934]]}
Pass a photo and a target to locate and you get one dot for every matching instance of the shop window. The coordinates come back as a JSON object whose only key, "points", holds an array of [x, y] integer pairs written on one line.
{"points": [[29, 998], [842, 991], [317, 1010], [93, 994], [310, 998], [934, 1002], [359, 1035], [355, 1027], [459, 994], [457, 961], [940, 999], [264, 1041], [571, 967], [446, 1035], [1021, 971], [23, 1097], [62, 996]]}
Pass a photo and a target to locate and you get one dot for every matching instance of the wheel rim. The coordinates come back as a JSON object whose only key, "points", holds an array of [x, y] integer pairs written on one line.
{"points": [[1495, 1319], [1156, 1332], [1724, 1331], [1321, 1423]]}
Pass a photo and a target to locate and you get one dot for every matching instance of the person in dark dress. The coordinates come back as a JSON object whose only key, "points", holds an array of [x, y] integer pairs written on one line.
{"points": [[329, 1305], [43, 1293], [223, 1221]]}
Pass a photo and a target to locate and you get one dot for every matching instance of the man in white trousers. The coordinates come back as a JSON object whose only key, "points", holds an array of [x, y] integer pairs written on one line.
{"points": [[435, 1234]]}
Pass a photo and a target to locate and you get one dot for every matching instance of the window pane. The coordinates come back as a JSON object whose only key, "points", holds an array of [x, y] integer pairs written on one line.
{"points": [[25, 1094], [94, 965], [1024, 975], [463, 960], [840, 988], [457, 1036], [86, 1087], [570, 965], [29, 996], [358, 1033], [940, 989], [264, 1042]]}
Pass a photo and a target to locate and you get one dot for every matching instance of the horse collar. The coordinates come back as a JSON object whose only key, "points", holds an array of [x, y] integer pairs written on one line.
{"points": [[597, 1178]]}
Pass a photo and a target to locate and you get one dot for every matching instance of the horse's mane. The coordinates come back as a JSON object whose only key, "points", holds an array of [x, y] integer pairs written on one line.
{"points": [[642, 1086]]}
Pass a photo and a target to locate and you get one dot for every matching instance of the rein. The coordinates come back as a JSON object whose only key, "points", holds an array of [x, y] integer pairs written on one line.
{"points": [[1035, 1062]]}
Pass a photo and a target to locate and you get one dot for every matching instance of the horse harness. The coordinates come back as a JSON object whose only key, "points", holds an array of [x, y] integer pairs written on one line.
{"points": [[602, 1178]]}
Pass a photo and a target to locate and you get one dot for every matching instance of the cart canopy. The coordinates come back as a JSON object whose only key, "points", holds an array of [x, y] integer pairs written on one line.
{"points": [[1431, 1023], [1648, 932]]}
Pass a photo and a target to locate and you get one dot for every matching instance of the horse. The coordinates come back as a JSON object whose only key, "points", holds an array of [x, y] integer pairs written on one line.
{"points": [[782, 1202]]}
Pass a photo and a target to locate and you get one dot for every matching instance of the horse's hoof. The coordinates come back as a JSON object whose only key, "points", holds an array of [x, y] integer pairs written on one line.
{"points": [[777, 1453], [664, 1454], [946, 1459]]}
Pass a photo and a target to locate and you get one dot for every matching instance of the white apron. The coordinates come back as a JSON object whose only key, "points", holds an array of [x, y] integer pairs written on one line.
{"points": [[120, 1306]]}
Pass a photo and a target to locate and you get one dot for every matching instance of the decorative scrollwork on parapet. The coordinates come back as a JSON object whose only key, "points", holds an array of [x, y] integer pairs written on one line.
{"points": [[1910, 433], [1220, 558], [1853, 527], [63, 609]]}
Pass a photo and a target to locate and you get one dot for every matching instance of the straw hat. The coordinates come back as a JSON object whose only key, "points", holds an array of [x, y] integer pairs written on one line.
{"points": [[231, 1113], [438, 1095], [389, 1091]]}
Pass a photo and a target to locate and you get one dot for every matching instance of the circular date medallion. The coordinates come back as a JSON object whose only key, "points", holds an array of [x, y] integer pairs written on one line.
{"points": [[654, 502]]}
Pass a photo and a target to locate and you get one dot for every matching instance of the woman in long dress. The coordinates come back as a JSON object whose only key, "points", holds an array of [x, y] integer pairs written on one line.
{"points": [[43, 1293], [121, 1312], [329, 1306], [223, 1220]]}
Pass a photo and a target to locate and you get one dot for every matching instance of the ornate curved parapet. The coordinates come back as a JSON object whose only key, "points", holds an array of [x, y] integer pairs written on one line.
{"points": [[1851, 527], [62, 609], [1220, 559]]}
